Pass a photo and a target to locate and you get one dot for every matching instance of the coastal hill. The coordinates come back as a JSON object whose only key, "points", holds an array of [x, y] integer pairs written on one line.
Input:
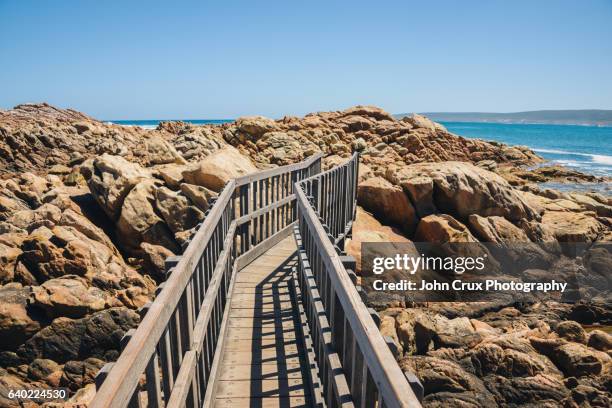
{"points": [[596, 117], [89, 211]]}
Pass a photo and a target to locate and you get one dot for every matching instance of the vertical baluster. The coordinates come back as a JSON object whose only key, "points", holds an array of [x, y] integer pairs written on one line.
{"points": [[165, 352]]}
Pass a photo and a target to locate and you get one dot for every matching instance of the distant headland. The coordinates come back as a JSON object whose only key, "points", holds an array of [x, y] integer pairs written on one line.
{"points": [[596, 117]]}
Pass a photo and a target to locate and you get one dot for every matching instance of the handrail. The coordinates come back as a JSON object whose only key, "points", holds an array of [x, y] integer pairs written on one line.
{"points": [[368, 370], [174, 346]]}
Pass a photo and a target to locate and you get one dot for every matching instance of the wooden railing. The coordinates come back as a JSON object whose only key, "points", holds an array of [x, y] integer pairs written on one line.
{"points": [[170, 359], [355, 365]]}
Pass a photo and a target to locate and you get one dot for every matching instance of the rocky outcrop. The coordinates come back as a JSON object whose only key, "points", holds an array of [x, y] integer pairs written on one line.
{"points": [[65, 339], [216, 170], [463, 189], [387, 202], [89, 212]]}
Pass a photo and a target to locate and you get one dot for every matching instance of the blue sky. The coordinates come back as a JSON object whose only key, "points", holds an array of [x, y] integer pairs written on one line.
{"points": [[223, 59]]}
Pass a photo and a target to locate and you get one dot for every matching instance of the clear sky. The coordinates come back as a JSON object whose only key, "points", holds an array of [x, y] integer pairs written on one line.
{"points": [[223, 59]]}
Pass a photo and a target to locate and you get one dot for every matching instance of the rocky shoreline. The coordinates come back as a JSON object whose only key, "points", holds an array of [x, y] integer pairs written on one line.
{"points": [[89, 211]]}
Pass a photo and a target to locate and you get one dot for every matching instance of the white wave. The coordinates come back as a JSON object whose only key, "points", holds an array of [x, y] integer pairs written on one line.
{"points": [[602, 159], [597, 158]]}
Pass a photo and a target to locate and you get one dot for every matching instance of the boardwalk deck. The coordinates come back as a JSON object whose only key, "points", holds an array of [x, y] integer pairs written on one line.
{"points": [[263, 362], [248, 318]]}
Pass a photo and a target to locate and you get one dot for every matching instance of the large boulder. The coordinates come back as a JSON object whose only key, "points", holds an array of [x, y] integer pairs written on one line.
{"points": [[176, 210], [571, 226], [65, 339], [139, 222], [77, 374], [387, 202], [366, 228], [420, 121], [446, 382], [441, 229], [496, 229], [255, 126], [462, 189], [200, 196], [68, 296], [110, 179], [16, 325], [373, 112], [154, 260], [219, 168], [574, 359]]}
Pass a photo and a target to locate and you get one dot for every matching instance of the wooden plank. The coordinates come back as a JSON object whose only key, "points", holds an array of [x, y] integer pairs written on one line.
{"points": [[240, 299], [278, 402], [209, 392], [270, 342], [265, 371], [261, 388], [247, 333], [183, 381], [248, 257], [247, 357], [256, 349]]}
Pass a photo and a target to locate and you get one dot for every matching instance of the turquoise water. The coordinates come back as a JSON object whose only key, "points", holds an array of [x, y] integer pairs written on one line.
{"points": [[584, 148], [152, 124]]}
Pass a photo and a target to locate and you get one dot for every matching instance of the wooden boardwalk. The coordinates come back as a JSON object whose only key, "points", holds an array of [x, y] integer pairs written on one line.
{"points": [[263, 361], [244, 321]]}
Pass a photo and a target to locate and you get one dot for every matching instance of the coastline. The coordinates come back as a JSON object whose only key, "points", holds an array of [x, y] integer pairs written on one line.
{"points": [[91, 211]]}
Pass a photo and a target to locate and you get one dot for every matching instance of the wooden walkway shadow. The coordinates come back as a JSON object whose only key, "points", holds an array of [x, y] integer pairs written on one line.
{"points": [[263, 363]]}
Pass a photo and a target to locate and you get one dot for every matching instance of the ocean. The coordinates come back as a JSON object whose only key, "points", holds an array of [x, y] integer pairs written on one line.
{"points": [[584, 148], [152, 124]]}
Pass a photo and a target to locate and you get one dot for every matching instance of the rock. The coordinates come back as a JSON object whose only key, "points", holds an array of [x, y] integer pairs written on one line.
{"points": [[600, 340], [139, 222], [420, 190], [8, 382], [387, 329], [8, 262], [572, 227], [497, 230], [419, 121], [110, 180], [154, 260], [462, 189], [77, 374], [16, 325], [443, 332], [446, 380], [200, 196], [490, 358], [367, 229], [176, 210], [84, 396], [217, 169], [158, 151], [441, 229], [573, 359], [65, 339], [68, 296], [538, 390], [387, 202], [172, 175], [571, 331], [373, 112], [591, 204], [255, 126], [45, 370]]}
